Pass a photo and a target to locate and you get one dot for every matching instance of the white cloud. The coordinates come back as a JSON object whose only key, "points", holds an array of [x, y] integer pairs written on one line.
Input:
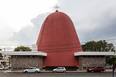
{"points": [[5, 32], [15, 15], [18, 13], [93, 19], [28, 35]]}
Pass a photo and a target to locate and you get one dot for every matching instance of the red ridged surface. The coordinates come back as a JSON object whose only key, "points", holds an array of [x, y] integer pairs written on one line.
{"points": [[59, 40]]}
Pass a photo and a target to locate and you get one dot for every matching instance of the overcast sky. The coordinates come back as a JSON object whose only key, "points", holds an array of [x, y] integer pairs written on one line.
{"points": [[21, 20]]}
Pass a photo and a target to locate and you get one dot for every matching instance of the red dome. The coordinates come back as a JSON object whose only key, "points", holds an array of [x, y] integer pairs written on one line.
{"points": [[59, 40]]}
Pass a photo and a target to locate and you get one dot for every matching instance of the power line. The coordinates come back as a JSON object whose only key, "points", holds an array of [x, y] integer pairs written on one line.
{"points": [[31, 45]]}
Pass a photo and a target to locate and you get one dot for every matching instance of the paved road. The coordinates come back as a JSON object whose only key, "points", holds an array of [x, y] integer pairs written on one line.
{"points": [[69, 74]]}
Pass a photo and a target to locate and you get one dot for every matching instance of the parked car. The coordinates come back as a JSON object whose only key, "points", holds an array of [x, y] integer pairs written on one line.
{"points": [[95, 69], [109, 67], [32, 69], [8, 67], [59, 69], [1, 68]]}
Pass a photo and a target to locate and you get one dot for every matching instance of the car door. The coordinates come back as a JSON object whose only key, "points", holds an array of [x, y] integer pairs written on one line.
{"points": [[33, 70], [29, 70], [99, 68], [62, 69], [96, 69], [58, 70]]}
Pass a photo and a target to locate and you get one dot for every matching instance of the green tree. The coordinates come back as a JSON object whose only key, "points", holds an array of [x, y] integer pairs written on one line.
{"points": [[101, 45], [89, 46], [109, 59], [22, 48], [1, 55]]}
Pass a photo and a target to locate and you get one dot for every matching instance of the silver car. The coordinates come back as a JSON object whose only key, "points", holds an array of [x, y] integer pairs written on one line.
{"points": [[60, 69], [32, 69]]}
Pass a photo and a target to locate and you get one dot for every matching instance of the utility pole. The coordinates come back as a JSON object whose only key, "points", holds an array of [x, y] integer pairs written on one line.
{"points": [[113, 67]]}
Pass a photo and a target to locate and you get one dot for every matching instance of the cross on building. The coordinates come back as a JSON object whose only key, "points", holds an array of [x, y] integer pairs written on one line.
{"points": [[56, 7]]}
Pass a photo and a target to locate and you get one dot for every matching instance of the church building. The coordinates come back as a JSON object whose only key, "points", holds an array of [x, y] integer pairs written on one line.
{"points": [[57, 45]]}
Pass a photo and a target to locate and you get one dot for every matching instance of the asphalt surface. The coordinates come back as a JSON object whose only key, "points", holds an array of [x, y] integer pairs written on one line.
{"points": [[50, 74]]}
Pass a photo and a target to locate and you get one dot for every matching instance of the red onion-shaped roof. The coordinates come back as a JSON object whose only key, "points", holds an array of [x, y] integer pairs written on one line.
{"points": [[59, 40]]}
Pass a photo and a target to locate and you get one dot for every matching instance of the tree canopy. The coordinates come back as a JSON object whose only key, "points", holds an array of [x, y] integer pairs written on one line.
{"points": [[22, 48], [101, 45], [109, 59], [0, 55]]}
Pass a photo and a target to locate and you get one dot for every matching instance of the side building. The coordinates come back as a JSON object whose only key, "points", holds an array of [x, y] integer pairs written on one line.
{"points": [[22, 60]]}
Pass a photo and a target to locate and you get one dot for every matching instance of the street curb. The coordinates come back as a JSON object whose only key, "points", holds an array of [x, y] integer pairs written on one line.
{"points": [[78, 71]]}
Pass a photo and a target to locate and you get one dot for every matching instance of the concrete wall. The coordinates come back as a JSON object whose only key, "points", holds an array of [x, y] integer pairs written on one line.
{"points": [[91, 61], [22, 62]]}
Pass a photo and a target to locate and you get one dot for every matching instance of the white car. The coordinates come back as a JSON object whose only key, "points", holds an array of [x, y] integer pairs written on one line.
{"points": [[60, 69], [32, 69], [1, 67]]}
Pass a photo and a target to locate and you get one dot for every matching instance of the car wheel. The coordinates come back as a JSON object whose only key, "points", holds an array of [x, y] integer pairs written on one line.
{"points": [[55, 71], [36, 71], [101, 70], [64, 71], [92, 71], [26, 71]]}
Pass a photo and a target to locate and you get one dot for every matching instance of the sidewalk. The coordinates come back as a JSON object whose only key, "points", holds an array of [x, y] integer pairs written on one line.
{"points": [[107, 70]]}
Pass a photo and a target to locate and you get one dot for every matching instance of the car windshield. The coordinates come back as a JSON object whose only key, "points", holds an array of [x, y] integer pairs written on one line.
{"points": [[60, 68], [32, 68]]}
